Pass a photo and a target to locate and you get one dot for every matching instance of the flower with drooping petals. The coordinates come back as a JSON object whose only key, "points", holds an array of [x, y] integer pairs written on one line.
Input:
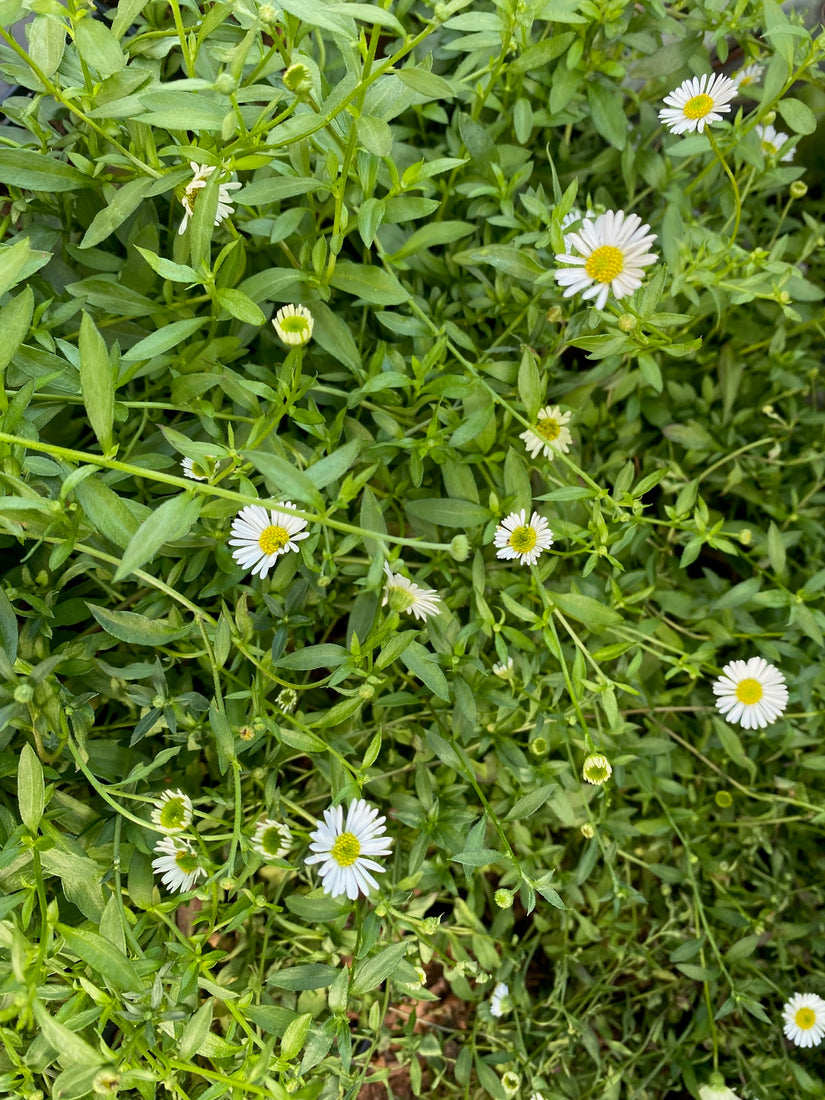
{"points": [[173, 812], [177, 863], [272, 839], [550, 434], [772, 141], [402, 594], [202, 172]]}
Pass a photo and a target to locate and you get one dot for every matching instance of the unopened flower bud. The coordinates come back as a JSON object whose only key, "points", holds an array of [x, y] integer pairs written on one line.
{"points": [[268, 14], [510, 1082], [460, 548], [538, 746], [587, 831], [503, 899], [798, 189], [627, 322], [225, 84], [597, 769], [769, 118], [746, 536], [554, 315], [23, 693], [298, 79]]}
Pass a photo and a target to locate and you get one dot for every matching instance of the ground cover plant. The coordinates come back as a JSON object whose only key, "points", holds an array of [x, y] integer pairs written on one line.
{"points": [[412, 550]]}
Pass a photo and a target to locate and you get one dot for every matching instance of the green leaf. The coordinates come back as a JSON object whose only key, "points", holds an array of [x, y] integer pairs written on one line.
{"points": [[15, 319], [13, 260], [295, 1036], [326, 655], [303, 740], [70, 1049], [431, 235], [47, 43], [423, 664], [291, 482], [123, 203], [371, 284], [798, 115], [448, 513], [176, 273], [180, 110], [196, 1030], [584, 609], [512, 261], [333, 334], [105, 510], [31, 788], [394, 647], [103, 957], [607, 113], [265, 191], [371, 973], [371, 13], [480, 857], [97, 383], [375, 135], [309, 976], [169, 522], [8, 629], [98, 46], [39, 172], [240, 306], [427, 84], [163, 339], [335, 465], [530, 802], [128, 626]]}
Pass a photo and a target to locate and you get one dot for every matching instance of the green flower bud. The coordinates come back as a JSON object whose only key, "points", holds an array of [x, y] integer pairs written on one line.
{"points": [[225, 84], [460, 548], [627, 322], [23, 693], [503, 898], [798, 189], [298, 79]]}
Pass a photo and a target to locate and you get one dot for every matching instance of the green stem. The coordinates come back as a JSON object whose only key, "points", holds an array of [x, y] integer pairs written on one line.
{"points": [[737, 200]]}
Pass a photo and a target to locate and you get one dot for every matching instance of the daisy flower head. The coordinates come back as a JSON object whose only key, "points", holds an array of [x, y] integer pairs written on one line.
{"points": [[500, 1000], [287, 700], [752, 693], [698, 102], [173, 812], [200, 177], [177, 863], [772, 141], [193, 470], [261, 536], [550, 434], [345, 849], [272, 839], [516, 538], [749, 75], [597, 769], [402, 594], [294, 325], [503, 669], [804, 1016], [611, 253]]}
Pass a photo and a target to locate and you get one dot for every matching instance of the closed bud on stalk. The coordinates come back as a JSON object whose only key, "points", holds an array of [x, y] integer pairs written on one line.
{"points": [[627, 322], [554, 315], [503, 898], [460, 548], [298, 79], [798, 189]]}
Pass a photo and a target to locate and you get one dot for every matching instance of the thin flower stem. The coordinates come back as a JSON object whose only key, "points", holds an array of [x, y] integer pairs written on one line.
{"points": [[736, 199]]}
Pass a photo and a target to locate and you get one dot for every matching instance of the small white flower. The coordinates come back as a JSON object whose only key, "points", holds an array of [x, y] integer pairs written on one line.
{"points": [[272, 839], [500, 1000], [550, 434], [177, 863], [202, 172], [503, 669], [772, 141], [403, 594], [752, 693], [611, 255], [749, 75], [294, 324], [287, 700], [188, 467], [597, 769], [261, 536], [516, 538], [804, 1017], [698, 102], [173, 812], [572, 217], [344, 849]]}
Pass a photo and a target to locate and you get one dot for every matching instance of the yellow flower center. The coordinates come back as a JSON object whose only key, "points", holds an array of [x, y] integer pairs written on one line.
{"points": [[173, 814], [605, 263], [805, 1018], [699, 106], [749, 691], [346, 849], [273, 539], [548, 428], [523, 539]]}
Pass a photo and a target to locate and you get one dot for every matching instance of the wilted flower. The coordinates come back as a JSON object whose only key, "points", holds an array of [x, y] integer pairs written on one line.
{"points": [[173, 812], [272, 839], [202, 172]]}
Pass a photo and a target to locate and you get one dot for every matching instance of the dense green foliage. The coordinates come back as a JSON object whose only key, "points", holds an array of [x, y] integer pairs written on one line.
{"points": [[407, 180]]}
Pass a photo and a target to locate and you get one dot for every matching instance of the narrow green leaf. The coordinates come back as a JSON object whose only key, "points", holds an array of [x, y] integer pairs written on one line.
{"points": [[309, 976], [169, 522], [39, 171], [326, 655], [291, 482], [31, 788], [70, 1049], [96, 381], [128, 626], [196, 1030], [295, 1036], [505, 258], [103, 957], [106, 511], [371, 973], [448, 513], [585, 609], [371, 284], [607, 113], [176, 273], [335, 465], [375, 135], [98, 46], [123, 203], [530, 802], [13, 259], [423, 664], [15, 319], [240, 306]]}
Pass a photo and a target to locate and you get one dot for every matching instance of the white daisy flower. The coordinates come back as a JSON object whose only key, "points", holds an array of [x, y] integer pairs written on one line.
{"points": [[294, 324], [272, 839], [503, 669], [772, 141], [516, 538], [403, 594], [804, 1017], [597, 769], [177, 863], [749, 75], [190, 470], [752, 693], [345, 849], [612, 255], [698, 102], [550, 434], [261, 536], [500, 1000], [202, 172], [173, 812], [287, 700], [716, 1089]]}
